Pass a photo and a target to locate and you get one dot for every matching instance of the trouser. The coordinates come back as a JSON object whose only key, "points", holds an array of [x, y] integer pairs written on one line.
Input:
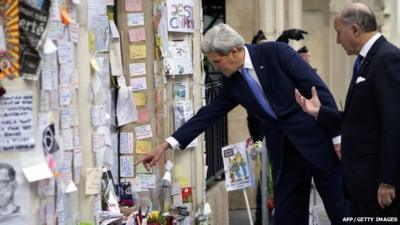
{"points": [[292, 193]]}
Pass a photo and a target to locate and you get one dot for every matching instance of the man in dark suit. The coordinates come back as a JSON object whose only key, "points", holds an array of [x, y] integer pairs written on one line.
{"points": [[371, 139], [262, 78]]}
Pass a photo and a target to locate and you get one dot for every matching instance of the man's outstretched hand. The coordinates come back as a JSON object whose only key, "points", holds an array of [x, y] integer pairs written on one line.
{"points": [[310, 106], [293, 34], [150, 159]]}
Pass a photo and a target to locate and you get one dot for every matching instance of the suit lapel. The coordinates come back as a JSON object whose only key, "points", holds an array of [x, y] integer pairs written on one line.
{"points": [[363, 68]]}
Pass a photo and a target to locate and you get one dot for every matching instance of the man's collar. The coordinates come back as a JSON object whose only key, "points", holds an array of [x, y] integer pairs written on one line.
{"points": [[247, 60], [367, 46]]}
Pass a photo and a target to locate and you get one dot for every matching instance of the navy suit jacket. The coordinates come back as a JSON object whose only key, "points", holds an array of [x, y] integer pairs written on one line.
{"points": [[280, 70], [371, 124]]}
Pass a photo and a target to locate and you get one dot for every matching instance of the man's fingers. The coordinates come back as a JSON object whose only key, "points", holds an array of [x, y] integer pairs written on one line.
{"points": [[314, 92]]}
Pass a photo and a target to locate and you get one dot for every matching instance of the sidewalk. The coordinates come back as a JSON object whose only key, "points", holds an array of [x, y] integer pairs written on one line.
{"points": [[240, 217]]}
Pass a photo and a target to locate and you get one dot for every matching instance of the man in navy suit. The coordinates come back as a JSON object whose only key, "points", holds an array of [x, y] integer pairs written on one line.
{"points": [[297, 148], [371, 139]]}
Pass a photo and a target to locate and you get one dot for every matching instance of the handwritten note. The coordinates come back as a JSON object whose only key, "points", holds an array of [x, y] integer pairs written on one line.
{"points": [[140, 99], [147, 180], [133, 5], [98, 115], [126, 143], [135, 19], [137, 34], [137, 51], [93, 180], [16, 121], [126, 166], [143, 116], [137, 69], [143, 132], [97, 141], [143, 147], [68, 138], [138, 83]]}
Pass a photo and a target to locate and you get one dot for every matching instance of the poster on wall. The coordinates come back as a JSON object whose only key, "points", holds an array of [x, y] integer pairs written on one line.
{"points": [[16, 121], [15, 194], [178, 60], [9, 39], [180, 15], [33, 17], [237, 167]]}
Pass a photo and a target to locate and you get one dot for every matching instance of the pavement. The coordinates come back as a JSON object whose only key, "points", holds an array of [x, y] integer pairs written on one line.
{"points": [[240, 217]]}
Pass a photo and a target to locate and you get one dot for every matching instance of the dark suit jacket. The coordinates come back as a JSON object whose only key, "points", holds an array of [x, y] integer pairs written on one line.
{"points": [[371, 123], [280, 70]]}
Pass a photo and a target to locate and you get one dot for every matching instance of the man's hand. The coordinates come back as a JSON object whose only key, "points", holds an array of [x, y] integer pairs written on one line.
{"points": [[310, 106], [386, 195], [150, 159], [294, 34], [338, 151]]}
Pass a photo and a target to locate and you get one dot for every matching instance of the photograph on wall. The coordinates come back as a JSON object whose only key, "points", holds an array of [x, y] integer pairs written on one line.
{"points": [[237, 167], [9, 39], [180, 15], [178, 60], [15, 205]]}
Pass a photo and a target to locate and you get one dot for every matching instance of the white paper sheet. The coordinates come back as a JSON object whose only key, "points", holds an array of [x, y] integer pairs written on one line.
{"points": [[126, 110]]}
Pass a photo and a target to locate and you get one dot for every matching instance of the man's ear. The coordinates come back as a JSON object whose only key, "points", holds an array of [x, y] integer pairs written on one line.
{"points": [[356, 29]]}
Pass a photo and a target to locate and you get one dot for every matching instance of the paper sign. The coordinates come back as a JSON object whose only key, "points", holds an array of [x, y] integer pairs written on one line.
{"points": [[135, 19], [143, 116], [98, 115], [126, 166], [143, 147], [93, 181], [133, 5], [137, 34], [178, 59], [138, 83], [137, 69], [140, 99], [147, 180], [143, 132], [180, 15], [137, 51], [237, 167], [37, 172], [16, 121], [125, 143]]}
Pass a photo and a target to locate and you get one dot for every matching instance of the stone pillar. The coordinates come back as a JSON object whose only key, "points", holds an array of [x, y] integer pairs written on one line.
{"points": [[295, 17], [267, 18]]}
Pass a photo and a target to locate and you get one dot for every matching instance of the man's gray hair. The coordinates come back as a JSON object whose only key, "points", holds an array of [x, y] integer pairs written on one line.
{"points": [[221, 39], [360, 14]]}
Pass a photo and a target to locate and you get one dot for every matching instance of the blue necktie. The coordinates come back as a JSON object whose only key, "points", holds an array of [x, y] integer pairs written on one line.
{"points": [[258, 92], [356, 68]]}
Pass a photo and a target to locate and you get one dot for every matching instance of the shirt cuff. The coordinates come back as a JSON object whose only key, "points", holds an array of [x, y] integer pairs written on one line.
{"points": [[337, 140], [173, 142]]}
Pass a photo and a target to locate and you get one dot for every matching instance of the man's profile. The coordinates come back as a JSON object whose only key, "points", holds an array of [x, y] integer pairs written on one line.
{"points": [[8, 186]]}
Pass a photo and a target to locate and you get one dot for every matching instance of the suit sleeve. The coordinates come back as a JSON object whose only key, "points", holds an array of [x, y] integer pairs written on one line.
{"points": [[304, 78], [387, 91], [205, 117], [329, 118]]}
